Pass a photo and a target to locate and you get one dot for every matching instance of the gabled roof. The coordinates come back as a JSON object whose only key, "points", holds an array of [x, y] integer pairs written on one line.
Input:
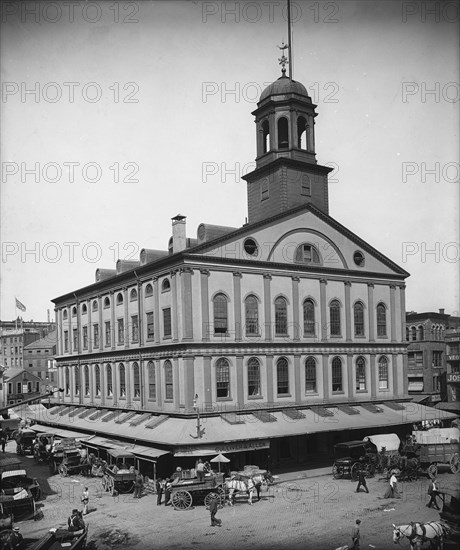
{"points": [[13, 372], [48, 341]]}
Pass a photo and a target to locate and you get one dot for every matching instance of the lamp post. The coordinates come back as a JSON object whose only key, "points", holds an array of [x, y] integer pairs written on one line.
{"points": [[197, 409], [47, 388]]}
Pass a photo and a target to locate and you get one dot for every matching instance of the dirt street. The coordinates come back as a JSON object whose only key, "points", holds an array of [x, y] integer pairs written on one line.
{"points": [[316, 513]]}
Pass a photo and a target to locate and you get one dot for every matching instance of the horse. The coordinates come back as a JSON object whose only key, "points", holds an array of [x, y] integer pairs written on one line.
{"points": [[240, 484], [260, 480], [419, 533]]}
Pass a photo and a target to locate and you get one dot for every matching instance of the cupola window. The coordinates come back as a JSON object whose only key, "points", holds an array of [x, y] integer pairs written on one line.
{"points": [[283, 133], [301, 133], [266, 136]]}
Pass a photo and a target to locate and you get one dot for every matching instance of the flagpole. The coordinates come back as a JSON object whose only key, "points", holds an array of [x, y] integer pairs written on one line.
{"points": [[15, 313], [291, 68]]}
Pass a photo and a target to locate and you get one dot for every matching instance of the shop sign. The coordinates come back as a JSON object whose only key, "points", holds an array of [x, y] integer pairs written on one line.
{"points": [[453, 357], [435, 397], [242, 446], [453, 378]]}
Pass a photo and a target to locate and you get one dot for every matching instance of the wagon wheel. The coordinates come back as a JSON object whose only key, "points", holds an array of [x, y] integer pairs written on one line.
{"points": [[63, 470], [454, 463], [337, 472], [222, 494], [211, 496], [432, 470], [355, 470], [182, 500]]}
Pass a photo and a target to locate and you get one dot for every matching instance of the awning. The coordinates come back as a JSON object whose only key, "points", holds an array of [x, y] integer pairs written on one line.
{"points": [[420, 398], [148, 452], [415, 385], [139, 450], [60, 432], [453, 406], [391, 442]]}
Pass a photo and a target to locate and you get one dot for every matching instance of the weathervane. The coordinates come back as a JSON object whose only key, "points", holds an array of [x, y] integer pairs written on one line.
{"points": [[283, 60]]}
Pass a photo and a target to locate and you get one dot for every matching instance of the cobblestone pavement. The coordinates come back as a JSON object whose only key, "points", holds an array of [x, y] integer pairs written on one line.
{"points": [[312, 513]]}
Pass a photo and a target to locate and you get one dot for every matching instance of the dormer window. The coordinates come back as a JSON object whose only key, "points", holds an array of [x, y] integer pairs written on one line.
{"points": [[307, 254]]}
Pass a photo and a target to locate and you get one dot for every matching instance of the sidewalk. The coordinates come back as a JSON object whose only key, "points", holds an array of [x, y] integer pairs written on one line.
{"points": [[304, 473]]}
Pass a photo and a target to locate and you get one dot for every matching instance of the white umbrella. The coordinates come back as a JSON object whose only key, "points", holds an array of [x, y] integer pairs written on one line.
{"points": [[220, 458]]}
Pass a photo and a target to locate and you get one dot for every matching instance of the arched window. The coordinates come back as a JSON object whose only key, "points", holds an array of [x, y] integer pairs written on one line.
{"points": [[302, 133], [421, 333], [358, 312], [149, 290], [222, 378], [133, 295], [283, 133], [281, 325], [266, 136], [119, 298], [307, 254], [165, 286], [64, 314], [251, 307], [310, 375], [86, 375], [334, 314], [152, 380], [309, 317], [407, 334], [84, 309], [109, 381], [360, 374], [381, 320], [122, 377], [169, 388], [413, 331], [220, 314], [74, 311], [282, 376], [337, 382], [136, 380], [77, 380], [383, 373], [67, 380], [97, 372], [106, 302], [253, 376], [95, 305]]}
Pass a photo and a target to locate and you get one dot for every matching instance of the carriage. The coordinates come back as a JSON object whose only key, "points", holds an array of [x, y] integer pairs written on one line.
{"points": [[25, 440], [73, 463], [58, 449], [119, 475], [350, 458], [9, 538], [61, 539], [17, 501], [187, 491], [17, 480], [450, 515]]}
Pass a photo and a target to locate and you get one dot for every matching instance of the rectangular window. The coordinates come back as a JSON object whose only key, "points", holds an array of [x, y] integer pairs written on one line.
{"points": [[419, 359], [383, 377], [337, 379], [264, 189], [85, 337], [305, 186], [75, 339], [167, 322], [18, 387], [121, 331], [150, 326], [108, 333], [437, 358], [96, 336], [135, 328], [66, 340]]}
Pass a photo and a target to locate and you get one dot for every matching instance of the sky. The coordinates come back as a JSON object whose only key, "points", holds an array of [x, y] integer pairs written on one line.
{"points": [[116, 116]]}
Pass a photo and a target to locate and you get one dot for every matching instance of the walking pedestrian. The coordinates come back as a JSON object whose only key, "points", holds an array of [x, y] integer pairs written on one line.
{"points": [[160, 485], [213, 507], [3, 442], [392, 491], [168, 486], [85, 500], [138, 485], [433, 491], [361, 481], [356, 535]]}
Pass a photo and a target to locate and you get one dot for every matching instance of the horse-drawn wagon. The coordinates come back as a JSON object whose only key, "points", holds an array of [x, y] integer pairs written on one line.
{"points": [[58, 449], [350, 458], [187, 491], [73, 463], [25, 440], [119, 474]]}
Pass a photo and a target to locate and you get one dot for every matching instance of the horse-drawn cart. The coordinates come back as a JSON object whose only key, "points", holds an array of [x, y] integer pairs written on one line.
{"points": [[61, 539], [73, 463], [186, 492], [350, 458], [119, 475]]}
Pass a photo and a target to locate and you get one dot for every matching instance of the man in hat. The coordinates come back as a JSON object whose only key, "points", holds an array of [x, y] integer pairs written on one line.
{"points": [[213, 507], [75, 522]]}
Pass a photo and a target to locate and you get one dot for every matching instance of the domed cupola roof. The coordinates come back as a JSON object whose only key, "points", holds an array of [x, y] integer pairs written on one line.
{"points": [[283, 87]]}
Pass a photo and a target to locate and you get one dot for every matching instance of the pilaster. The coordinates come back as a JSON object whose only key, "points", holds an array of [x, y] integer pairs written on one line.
{"points": [[393, 312], [295, 308], [237, 305], [186, 296], [371, 310], [323, 305], [348, 317], [204, 275], [267, 305]]}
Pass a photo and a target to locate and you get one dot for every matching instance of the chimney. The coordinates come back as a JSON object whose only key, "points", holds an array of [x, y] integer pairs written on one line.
{"points": [[178, 237], [441, 311]]}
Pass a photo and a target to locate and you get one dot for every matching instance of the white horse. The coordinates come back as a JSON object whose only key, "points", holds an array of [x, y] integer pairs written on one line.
{"points": [[419, 533], [240, 484]]}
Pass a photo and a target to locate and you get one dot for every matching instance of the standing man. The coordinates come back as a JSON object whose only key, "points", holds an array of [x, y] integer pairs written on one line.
{"points": [[168, 486], [200, 470], [138, 485], [361, 481], [355, 535], [3, 441], [160, 485], [213, 507], [433, 491], [85, 500]]}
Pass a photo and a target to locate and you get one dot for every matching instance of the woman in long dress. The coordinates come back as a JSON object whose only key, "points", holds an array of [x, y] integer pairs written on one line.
{"points": [[392, 490]]}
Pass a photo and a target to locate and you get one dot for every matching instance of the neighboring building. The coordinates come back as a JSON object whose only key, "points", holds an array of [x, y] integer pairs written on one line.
{"points": [[452, 336], [17, 385], [13, 343], [42, 327], [39, 358], [271, 341], [427, 354]]}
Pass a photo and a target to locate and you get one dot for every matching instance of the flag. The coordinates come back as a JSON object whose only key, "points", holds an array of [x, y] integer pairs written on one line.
{"points": [[20, 305]]}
